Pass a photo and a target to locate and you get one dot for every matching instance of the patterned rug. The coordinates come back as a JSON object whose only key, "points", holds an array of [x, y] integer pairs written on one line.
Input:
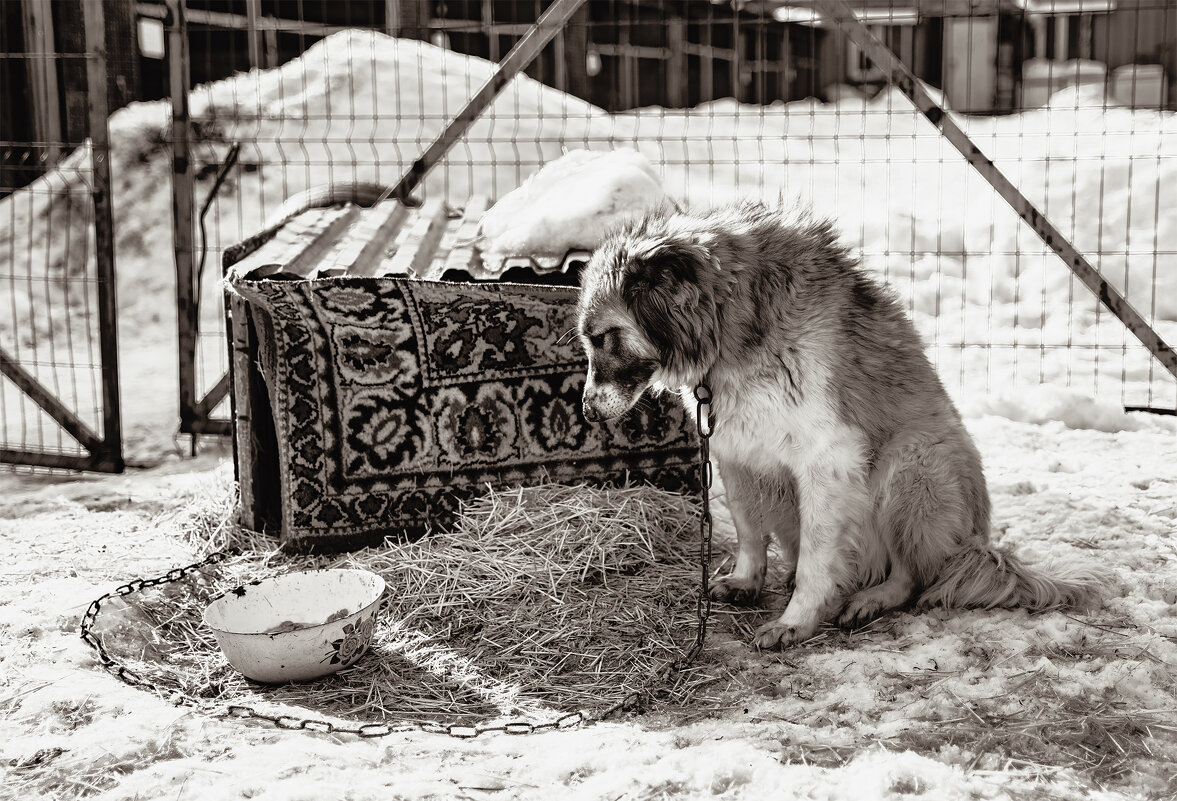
{"points": [[394, 400]]}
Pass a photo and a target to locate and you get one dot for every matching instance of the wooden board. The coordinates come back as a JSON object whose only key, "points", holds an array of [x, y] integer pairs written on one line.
{"points": [[390, 239]]}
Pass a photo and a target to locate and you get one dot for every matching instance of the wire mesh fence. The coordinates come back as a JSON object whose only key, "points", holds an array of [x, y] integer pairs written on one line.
{"points": [[1072, 101], [59, 403]]}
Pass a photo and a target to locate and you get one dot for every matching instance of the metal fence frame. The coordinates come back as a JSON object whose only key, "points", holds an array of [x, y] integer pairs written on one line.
{"points": [[102, 451], [842, 15], [196, 409]]}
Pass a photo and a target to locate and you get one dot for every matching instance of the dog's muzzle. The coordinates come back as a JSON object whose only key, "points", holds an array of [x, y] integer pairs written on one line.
{"points": [[603, 403]]}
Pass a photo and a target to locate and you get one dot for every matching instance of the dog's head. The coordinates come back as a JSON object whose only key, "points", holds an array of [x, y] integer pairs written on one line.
{"points": [[647, 316]]}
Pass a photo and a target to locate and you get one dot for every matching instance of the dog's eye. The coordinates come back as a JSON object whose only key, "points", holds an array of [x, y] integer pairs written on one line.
{"points": [[598, 340]]}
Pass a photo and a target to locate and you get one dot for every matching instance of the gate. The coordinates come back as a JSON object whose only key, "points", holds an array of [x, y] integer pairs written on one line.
{"points": [[59, 375], [1021, 263]]}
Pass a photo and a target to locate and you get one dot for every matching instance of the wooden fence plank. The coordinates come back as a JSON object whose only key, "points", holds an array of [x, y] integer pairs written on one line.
{"points": [[463, 254], [371, 239]]}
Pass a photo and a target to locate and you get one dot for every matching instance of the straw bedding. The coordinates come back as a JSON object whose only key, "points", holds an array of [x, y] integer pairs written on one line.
{"points": [[539, 601]]}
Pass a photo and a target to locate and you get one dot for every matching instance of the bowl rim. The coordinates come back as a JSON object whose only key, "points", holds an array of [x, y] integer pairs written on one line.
{"points": [[383, 585]]}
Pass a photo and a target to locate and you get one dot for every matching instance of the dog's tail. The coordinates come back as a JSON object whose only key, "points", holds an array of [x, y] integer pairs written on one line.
{"points": [[987, 577]]}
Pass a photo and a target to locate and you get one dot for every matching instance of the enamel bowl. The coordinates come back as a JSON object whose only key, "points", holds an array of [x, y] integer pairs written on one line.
{"points": [[298, 626]]}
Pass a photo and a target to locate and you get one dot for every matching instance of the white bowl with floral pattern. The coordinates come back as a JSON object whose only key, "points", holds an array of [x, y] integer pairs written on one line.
{"points": [[297, 626]]}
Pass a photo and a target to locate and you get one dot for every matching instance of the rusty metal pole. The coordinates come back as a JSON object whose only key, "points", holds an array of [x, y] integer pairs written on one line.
{"points": [[523, 53], [182, 214]]}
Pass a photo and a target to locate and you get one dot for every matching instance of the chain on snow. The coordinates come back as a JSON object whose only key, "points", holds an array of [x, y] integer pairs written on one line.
{"points": [[631, 701]]}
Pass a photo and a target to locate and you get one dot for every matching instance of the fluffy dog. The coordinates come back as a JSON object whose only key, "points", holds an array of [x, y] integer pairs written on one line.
{"points": [[831, 429]]}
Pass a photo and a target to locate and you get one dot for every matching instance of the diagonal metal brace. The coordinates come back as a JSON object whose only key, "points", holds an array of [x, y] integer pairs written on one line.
{"points": [[523, 53], [842, 16], [48, 402]]}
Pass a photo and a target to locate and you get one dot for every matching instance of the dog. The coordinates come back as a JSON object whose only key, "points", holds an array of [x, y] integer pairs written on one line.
{"points": [[830, 428]]}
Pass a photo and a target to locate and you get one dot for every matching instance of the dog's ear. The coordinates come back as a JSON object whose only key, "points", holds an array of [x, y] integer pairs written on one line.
{"points": [[663, 290]]}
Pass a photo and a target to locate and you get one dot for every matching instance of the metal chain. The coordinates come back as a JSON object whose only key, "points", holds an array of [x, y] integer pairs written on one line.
{"points": [[631, 701], [703, 423], [91, 615]]}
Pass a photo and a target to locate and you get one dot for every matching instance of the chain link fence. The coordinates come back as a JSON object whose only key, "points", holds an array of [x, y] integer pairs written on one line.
{"points": [[1072, 102]]}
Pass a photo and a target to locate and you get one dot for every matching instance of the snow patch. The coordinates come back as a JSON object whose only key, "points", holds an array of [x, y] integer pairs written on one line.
{"points": [[1047, 403], [570, 204]]}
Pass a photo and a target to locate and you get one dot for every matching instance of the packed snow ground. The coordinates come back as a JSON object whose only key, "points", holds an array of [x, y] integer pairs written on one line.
{"points": [[886, 712], [939, 705]]}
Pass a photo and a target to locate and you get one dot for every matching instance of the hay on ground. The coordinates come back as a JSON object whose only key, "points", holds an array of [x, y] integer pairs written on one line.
{"points": [[540, 600]]}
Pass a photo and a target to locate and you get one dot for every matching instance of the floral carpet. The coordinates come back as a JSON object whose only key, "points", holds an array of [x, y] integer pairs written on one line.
{"points": [[394, 400]]}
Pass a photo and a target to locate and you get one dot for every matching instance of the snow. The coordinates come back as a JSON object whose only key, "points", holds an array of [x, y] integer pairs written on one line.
{"points": [[1046, 403], [869, 714], [853, 715], [569, 204]]}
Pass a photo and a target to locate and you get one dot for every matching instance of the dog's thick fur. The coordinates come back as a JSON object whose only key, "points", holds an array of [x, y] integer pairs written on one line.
{"points": [[831, 429]]}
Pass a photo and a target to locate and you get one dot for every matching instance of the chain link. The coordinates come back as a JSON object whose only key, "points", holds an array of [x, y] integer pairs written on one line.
{"points": [[632, 701], [91, 615]]}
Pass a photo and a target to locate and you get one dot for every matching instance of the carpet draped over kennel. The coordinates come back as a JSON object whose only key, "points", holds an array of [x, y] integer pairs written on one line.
{"points": [[394, 399]]}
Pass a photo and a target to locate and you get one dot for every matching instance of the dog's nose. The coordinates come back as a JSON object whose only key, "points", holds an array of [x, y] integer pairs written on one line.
{"points": [[590, 403]]}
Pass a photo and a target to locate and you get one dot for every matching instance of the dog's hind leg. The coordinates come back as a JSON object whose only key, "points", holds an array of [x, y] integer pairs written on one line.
{"points": [[751, 501], [923, 517], [867, 604]]}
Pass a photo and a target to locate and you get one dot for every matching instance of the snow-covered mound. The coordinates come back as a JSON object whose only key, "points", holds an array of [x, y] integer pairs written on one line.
{"points": [[570, 204], [1045, 404]]}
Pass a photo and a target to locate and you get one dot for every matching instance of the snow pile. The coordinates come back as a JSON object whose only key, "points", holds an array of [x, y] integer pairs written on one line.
{"points": [[570, 203], [1046, 403]]}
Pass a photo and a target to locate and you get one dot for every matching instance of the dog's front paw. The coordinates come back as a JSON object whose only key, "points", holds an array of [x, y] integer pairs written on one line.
{"points": [[782, 635], [736, 590], [861, 609]]}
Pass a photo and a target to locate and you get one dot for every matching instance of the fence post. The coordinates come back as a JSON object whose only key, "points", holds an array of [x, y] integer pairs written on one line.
{"points": [[253, 13], [111, 456], [492, 38], [676, 65], [576, 52], [706, 63], [737, 57], [182, 214], [392, 17]]}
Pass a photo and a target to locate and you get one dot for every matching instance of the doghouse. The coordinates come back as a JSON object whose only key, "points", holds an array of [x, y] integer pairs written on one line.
{"points": [[382, 374]]}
